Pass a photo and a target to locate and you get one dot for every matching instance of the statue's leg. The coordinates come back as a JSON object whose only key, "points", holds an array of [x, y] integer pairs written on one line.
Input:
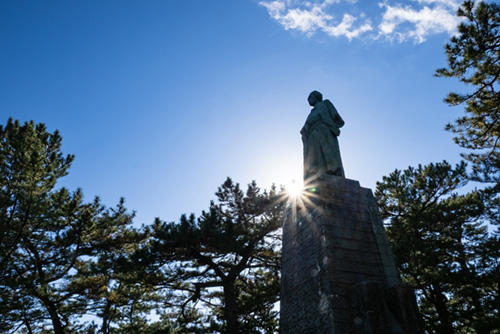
{"points": [[316, 159], [331, 154], [307, 163]]}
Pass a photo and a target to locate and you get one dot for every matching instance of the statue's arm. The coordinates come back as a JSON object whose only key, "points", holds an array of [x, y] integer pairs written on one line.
{"points": [[305, 130], [337, 120], [307, 125]]}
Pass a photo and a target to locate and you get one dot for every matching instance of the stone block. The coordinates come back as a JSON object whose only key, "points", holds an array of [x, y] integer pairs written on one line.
{"points": [[338, 272]]}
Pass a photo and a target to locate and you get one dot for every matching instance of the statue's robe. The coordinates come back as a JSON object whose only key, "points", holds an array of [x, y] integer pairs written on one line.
{"points": [[321, 147]]}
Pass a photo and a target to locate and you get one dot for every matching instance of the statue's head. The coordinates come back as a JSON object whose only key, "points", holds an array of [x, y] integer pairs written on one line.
{"points": [[314, 98]]}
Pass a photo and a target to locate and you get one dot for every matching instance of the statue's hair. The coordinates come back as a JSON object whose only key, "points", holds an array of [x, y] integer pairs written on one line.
{"points": [[317, 95]]}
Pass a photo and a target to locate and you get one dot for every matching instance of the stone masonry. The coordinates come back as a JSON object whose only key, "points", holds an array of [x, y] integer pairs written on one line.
{"points": [[338, 272]]}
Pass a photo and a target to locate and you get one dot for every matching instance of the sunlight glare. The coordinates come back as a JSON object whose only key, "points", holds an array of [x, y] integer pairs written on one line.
{"points": [[294, 189]]}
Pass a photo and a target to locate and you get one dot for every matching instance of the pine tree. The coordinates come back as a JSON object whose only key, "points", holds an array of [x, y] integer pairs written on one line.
{"points": [[442, 246], [474, 59], [46, 234], [109, 285], [227, 260]]}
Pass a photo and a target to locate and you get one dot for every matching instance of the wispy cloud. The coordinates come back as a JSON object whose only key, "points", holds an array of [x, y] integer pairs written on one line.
{"points": [[405, 22], [415, 20], [310, 17]]}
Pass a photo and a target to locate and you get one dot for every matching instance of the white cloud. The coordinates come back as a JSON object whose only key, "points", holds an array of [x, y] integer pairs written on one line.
{"points": [[274, 8], [305, 20], [345, 28], [416, 20], [311, 17], [406, 22], [453, 4]]}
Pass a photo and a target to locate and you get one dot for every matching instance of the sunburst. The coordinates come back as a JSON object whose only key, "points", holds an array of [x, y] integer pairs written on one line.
{"points": [[294, 189]]}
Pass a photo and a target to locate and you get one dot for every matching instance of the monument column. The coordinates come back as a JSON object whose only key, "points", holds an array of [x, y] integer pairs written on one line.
{"points": [[338, 272]]}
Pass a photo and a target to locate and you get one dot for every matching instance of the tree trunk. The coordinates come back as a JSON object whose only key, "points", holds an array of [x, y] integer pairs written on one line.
{"points": [[54, 316], [28, 326], [439, 300], [105, 318], [230, 308]]}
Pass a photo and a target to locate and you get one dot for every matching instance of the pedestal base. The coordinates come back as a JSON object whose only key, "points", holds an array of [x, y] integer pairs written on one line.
{"points": [[338, 272]]}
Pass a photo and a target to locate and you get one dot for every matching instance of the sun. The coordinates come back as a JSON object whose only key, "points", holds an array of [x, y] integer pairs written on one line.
{"points": [[294, 189]]}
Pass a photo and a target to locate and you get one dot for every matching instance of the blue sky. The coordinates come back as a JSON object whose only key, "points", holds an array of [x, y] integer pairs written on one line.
{"points": [[160, 101]]}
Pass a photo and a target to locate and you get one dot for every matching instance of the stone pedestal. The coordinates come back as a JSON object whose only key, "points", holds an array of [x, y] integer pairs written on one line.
{"points": [[338, 272]]}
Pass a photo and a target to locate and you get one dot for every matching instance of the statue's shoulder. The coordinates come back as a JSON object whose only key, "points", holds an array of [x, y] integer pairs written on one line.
{"points": [[329, 104], [322, 105]]}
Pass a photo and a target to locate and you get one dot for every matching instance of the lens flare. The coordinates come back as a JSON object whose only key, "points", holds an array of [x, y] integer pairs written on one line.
{"points": [[294, 189]]}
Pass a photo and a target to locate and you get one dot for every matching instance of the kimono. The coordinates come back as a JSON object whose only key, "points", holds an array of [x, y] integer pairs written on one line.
{"points": [[321, 147]]}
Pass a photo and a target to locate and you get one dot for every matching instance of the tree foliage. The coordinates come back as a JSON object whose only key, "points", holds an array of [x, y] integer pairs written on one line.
{"points": [[474, 59], [442, 246], [47, 235], [226, 262], [63, 259], [110, 286]]}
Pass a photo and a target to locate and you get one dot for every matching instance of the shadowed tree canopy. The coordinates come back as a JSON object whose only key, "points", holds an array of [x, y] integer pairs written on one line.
{"points": [[46, 234], [224, 264], [474, 59], [442, 246]]}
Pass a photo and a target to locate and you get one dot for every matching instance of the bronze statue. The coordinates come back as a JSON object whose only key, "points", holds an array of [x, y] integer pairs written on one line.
{"points": [[319, 136]]}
